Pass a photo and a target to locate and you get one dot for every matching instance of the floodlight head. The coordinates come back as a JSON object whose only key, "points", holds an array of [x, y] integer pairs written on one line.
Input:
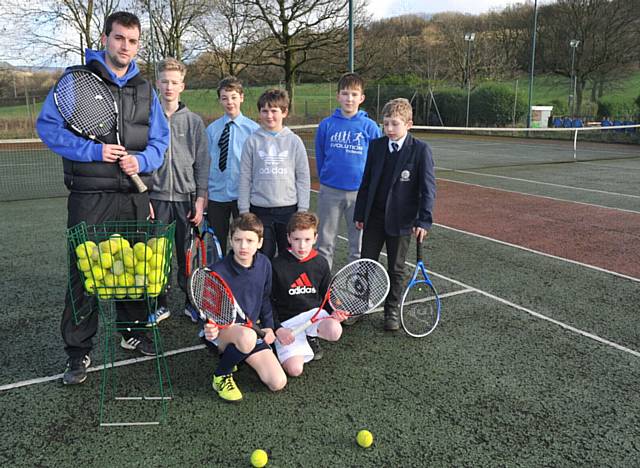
{"points": [[574, 43], [469, 37]]}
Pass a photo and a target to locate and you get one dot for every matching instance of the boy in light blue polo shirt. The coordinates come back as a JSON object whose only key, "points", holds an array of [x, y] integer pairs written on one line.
{"points": [[226, 138]]}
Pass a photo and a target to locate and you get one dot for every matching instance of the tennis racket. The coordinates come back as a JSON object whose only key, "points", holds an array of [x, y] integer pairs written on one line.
{"points": [[194, 256], [420, 308], [88, 106], [356, 289], [214, 301]]}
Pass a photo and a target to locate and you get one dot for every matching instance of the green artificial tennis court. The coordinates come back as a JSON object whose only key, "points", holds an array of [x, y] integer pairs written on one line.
{"points": [[536, 361]]}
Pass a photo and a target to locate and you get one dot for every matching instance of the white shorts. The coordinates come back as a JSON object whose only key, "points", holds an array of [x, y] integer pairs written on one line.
{"points": [[300, 347]]}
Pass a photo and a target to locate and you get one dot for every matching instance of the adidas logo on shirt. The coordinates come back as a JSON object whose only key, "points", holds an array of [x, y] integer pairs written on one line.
{"points": [[301, 286]]}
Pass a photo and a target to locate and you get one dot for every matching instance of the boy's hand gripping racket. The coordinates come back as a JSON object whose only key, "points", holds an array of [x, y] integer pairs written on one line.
{"points": [[420, 308], [88, 106], [356, 289], [214, 301]]}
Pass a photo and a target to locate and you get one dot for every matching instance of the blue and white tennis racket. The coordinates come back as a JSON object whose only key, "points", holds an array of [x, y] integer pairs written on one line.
{"points": [[211, 244], [420, 308]]}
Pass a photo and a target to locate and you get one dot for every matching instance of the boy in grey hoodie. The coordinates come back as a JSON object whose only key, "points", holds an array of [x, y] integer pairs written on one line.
{"points": [[274, 172], [185, 170]]}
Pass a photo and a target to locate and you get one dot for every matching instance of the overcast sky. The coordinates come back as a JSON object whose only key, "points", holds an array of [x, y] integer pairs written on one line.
{"points": [[386, 8]]}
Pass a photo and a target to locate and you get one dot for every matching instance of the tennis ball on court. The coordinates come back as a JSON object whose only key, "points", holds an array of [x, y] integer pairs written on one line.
{"points": [[85, 249], [90, 285], [120, 293], [153, 289], [118, 267], [142, 252], [84, 264], [142, 268], [157, 244], [364, 438], [155, 276], [259, 458], [97, 272], [156, 261], [126, 280]]}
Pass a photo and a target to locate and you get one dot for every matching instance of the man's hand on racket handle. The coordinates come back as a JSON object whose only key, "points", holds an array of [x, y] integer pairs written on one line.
{"points": [[269, 336], [420, 233], [112, 153], [129, 164], [339, 315]]}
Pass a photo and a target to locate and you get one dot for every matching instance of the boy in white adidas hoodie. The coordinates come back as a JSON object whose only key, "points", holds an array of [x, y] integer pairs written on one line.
{"points": [[274, 172]]}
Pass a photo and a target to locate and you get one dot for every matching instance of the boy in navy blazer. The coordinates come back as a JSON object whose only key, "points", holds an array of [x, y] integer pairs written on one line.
{"points": [[395, 199]]}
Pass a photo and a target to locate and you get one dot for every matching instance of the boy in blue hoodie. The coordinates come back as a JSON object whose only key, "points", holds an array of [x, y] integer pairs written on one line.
{"points": [[342, 142], [96, 175]]}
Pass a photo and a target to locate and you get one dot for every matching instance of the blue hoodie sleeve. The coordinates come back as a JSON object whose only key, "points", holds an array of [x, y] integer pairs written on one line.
{"points": [[54, 133], [153, 155]]}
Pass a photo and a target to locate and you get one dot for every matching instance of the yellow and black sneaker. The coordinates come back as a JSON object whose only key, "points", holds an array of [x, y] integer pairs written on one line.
{"points": [[226, 388]]}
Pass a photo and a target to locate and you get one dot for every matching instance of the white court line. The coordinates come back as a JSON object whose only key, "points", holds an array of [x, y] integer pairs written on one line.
{"points": [[530, 312], [582, 189], [545, 196]]}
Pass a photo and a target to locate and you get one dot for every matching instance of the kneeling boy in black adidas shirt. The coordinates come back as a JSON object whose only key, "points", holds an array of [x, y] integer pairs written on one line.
{"points": [[300, 280]]}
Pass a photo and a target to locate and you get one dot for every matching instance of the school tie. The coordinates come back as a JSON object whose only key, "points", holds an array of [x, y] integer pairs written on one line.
{"points": [[223, 144], [394, 147]]}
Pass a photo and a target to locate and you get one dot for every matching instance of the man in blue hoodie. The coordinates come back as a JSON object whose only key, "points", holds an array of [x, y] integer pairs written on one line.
{"points": [[342, 141], [97, 176]]}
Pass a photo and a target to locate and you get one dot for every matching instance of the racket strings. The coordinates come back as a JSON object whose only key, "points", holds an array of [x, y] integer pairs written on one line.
{"points": [[359, 287], [210, 296], [420, 309], [86, 103]]}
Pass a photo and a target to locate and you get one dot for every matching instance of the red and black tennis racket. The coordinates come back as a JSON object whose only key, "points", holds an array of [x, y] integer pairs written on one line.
{"points": [[356, 289], [214, 301], [87, 105]]}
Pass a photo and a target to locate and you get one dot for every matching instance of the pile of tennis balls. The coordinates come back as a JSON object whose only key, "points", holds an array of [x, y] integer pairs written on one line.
{"points": [[115, 269]]}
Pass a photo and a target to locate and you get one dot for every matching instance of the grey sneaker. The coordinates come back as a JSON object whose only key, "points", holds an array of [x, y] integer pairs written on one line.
{"points": [[76, 371], [141, 343]]}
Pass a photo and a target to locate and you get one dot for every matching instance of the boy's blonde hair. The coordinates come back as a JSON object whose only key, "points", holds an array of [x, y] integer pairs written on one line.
{"points": [[302, 220], [247, 222], [171, 64], [399, 107], [351, 81], [230, 83], [274, 98]]}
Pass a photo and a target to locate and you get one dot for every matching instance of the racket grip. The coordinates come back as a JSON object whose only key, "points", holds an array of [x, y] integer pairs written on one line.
{"points": [[301, 328], [258, 330], [137, 181]]}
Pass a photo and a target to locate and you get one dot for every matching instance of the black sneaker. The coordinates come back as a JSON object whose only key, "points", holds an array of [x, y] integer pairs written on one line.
{"points": [[142, 343], [314, 342], [76, 371]]}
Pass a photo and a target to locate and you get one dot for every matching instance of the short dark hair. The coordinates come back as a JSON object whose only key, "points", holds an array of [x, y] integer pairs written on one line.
{"points": [[126, 19], [230, 83], [275, 98], [351, 81], [247, 222], [302, 220]]}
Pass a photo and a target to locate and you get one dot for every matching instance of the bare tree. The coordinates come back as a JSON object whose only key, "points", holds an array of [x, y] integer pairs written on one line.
{"points": [[56, 28]]}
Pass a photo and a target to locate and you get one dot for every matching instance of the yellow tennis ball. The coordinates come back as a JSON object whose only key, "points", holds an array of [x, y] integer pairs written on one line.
{"points": [[142, 252], [142, 268], [128, 258], [157, 244], [364, 438], [85, 249], [95, 254], [120, 293], [140, 280], [97, 272], [84, 264], [90, 285], [135, 293], [118, 267], [156, 261], [155, 276], [105, 292], [106, 260], [109, 280], [153, 289], [126, 280], [259, 458]]}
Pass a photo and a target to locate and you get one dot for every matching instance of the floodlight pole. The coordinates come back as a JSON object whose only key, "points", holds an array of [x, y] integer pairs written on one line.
{"points": [[574, 43], [469, 38], [351, 36], [533, 59]]}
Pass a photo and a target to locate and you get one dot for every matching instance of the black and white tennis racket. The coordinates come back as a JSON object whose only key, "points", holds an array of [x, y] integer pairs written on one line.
{"points": [[211, 244], [356, 289], [420, 308], [214, 301], [87, 105]]}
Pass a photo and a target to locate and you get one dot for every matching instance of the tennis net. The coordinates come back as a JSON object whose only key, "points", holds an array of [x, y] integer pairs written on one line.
{"points": [[459, 148]]}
